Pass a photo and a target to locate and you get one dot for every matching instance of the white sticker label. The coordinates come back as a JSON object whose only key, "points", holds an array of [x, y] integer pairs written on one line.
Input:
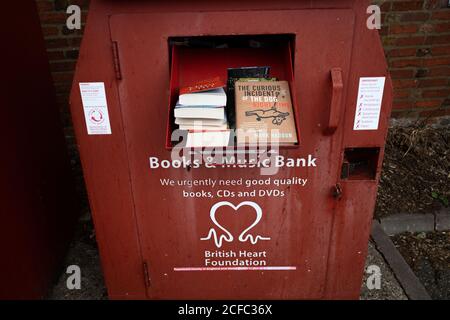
{"points": [[368, 107], [95, 107]]}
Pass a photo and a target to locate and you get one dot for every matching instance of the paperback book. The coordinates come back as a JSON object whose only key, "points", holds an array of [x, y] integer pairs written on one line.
{"points": [[264, 113]]}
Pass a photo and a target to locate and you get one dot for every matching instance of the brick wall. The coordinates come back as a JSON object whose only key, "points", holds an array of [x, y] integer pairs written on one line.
{"points": [[415, 35], [62, 48], [416, 39]]}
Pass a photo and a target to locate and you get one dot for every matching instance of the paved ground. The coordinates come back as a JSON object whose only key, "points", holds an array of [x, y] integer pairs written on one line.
{"points": [[390, 288], [84, 253]]}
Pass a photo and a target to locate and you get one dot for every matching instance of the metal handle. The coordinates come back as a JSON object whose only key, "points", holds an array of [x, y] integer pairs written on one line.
{"points": [[336, 99]]}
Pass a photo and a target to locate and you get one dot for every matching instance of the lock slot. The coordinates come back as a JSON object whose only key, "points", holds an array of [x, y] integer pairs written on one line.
{"points": [[360, 164]]}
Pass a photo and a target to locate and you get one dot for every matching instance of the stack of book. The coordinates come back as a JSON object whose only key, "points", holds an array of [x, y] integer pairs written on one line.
{"points": [[201, 111]]}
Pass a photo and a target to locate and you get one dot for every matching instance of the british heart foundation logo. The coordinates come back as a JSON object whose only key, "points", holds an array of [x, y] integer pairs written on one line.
{"points": [[219, 234]]}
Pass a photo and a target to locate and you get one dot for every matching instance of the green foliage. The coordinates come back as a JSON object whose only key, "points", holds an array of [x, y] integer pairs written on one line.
{"points": [[442, 198]]}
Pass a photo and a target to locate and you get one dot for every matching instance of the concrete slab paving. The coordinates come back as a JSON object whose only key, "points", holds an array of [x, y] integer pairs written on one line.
{"points": [[390, 287], [411, 285], [404, 222]]}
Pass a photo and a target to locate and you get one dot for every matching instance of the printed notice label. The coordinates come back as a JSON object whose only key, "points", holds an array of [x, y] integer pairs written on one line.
{"points": [[368, 107], [95, 107]]}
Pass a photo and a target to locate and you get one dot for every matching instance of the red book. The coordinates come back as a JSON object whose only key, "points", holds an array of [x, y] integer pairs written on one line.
{"points": [[204, 85]]}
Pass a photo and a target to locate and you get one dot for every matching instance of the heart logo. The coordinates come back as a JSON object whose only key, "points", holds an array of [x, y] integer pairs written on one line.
{"points": [[227, 236]]}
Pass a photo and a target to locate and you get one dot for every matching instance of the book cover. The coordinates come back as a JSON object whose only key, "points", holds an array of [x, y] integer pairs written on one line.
{"points": [[264, 113], [204, 85], [234, 74]]}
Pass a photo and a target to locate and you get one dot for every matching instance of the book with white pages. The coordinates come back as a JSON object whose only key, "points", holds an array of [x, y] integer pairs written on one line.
{"points": [[207, 122], [199, 126], [200, 113], [196, 139], [216, 97]]}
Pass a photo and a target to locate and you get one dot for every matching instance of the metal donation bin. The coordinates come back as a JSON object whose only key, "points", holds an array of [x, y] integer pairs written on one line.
{"points": [[39, 208], [199, 229]]}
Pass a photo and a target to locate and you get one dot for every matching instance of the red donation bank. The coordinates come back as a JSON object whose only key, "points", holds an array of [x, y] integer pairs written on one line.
{"points": [[232, 149]]}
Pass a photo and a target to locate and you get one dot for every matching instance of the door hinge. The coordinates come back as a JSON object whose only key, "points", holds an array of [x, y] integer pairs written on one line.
{"points": [[117, 70], [146, 274]]}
